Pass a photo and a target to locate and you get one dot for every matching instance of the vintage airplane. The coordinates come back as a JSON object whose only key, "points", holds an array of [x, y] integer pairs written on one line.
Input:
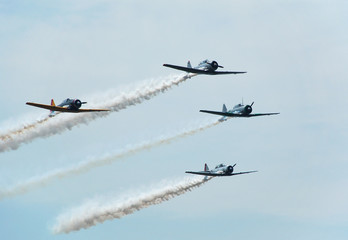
{"points": [[73, 106], [220, 170], [239, 110], [204, 67]]}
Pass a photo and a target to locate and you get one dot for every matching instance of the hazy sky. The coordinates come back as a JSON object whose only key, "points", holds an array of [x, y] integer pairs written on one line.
{"points": [[295, 53]]}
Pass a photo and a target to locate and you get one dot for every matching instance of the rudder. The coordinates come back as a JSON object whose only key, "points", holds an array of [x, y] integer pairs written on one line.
{"points": [[189, 64], [52, 112], [224, 108]]}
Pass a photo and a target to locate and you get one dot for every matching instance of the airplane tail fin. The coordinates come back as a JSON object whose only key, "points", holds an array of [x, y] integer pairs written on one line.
{"points": [[189, 64], [206, 168], [224, 108], [52, 104]]}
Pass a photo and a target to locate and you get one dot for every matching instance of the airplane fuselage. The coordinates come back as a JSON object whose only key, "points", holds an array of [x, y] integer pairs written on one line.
{"points": [[208, 66], [241, 109], [223, 169], [73, 104]]}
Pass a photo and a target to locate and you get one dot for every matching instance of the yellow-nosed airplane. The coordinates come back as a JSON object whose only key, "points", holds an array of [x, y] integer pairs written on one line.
{"points": [[72, 105]]}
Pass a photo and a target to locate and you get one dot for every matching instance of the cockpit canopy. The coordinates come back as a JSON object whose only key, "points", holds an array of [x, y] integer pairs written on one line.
{"points": [[220, 165], [204, 61], [238, 105]]}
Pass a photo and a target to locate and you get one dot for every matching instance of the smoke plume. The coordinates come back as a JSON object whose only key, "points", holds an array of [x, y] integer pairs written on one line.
{"points": [[97, 211], [85, 166], [114, 101]]}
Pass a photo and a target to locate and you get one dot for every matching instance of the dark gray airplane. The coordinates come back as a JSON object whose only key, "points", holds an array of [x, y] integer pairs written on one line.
{"points": [[239, 110], [219, 171], [204, 67]]}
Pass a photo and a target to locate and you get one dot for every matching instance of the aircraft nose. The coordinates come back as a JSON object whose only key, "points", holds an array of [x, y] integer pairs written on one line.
{"points": [[248, 109], [78, 103], [214, 65]]}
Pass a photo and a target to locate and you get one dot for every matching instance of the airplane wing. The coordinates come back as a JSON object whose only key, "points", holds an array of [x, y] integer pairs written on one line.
{"points": [[204, 173], [63, 109], [221, 72], [227, 114], [92, 110], [261, 114], [242, 173], [199, 71]]}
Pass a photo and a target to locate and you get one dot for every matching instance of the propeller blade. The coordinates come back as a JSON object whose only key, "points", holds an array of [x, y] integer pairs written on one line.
{"points": [[234, 165], [83, 102], [251, 104], [220, 66]]}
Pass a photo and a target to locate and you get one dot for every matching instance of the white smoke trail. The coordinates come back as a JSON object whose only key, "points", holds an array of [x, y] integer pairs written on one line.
{"points": [[42, 180], [95, 211], [11, 133], [44, 128]]}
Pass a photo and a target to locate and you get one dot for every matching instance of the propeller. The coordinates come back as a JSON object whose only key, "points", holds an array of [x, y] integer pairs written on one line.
{"points": [[248, 109], [76, 104], [251, 104], [230, 169], [215, 65]]}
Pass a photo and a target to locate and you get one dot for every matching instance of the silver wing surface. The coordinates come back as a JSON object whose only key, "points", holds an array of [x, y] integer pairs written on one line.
{"points": [[199, 71]]}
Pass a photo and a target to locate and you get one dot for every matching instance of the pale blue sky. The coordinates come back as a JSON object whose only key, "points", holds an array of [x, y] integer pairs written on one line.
{"points": [[295, 53]]}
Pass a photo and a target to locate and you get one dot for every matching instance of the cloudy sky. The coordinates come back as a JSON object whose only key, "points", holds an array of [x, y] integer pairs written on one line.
{"points": [[295, 53]]}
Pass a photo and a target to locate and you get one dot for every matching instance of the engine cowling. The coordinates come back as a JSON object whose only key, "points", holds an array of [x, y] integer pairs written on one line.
{"points": [[76, 104], [229, 169], [248, 109], [214, 65]]}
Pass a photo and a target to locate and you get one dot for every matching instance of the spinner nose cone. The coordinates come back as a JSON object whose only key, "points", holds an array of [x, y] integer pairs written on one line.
{"points": [[229, 169], [77, 103], [214, 65], [248, 109]]}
